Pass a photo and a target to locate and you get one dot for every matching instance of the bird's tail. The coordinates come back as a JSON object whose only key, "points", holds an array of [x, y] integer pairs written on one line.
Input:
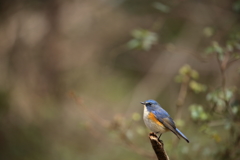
{"points": [[182, 135]]}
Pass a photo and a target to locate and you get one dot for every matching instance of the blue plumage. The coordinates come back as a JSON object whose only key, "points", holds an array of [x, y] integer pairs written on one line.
{"points": [[158, 120]]}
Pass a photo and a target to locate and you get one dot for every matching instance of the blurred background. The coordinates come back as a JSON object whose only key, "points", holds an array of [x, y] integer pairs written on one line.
{"points": [[73, 74]]}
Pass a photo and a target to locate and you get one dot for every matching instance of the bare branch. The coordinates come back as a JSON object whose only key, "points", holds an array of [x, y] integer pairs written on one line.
{"points": [[181, 97], [158, 147]]}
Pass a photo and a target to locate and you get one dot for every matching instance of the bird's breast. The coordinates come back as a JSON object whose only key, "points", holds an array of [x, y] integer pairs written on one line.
{"points": [[152, 122]]}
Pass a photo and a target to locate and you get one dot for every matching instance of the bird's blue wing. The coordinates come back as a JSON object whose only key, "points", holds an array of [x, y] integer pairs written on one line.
{"points": [[163, 117], [160, 114]]}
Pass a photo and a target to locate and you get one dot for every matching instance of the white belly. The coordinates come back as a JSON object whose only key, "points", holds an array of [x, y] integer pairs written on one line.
{"points": [[154, 127]]}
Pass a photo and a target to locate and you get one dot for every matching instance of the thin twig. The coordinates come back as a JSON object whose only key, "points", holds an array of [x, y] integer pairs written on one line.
{"points": [[181, 97], [232, 61], [223, 66]]}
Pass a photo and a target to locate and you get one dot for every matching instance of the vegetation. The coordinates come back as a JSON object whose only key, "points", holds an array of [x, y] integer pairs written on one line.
{"points": [[73, 74]]}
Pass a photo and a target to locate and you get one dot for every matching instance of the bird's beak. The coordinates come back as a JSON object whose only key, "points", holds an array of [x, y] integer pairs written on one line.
{"points": [[143, 103]]}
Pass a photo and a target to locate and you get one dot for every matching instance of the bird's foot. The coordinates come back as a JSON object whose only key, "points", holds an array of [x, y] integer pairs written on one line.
{"points": [[159, 138]]}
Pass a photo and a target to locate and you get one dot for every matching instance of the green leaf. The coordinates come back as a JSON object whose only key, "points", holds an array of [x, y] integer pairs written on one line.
{"points": [[184, 70], [217, 48], [161, 7], [219, 96], [134, 43], [149, 40], [229, 47], [197, 87], [228, 94], [235, 109], [227, 125], [194, 74], [197, 112], [137, 33], [216, 98], [142, 39]]}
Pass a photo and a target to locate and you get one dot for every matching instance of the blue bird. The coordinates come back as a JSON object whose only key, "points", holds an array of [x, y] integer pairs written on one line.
{"points": [[158, 120]]}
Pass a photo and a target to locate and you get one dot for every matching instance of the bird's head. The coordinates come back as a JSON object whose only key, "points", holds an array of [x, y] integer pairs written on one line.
{"points": [[150, 103]]}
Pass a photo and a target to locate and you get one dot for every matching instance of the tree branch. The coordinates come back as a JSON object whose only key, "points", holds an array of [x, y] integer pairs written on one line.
{"points": [[158, 147], [181, 97]]}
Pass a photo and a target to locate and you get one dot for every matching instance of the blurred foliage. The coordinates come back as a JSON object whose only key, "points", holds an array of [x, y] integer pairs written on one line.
{"points": [[197, 112], [51, 48], [143, 39], [186, 73], [161, 7], [220, 111], [219, 97], [236, 6]]}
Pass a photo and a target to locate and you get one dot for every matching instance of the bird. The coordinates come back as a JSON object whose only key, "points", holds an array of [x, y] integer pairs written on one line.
{"points": [[158, 120]]}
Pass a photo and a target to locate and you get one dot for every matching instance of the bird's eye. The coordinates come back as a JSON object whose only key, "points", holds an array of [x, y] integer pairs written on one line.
{"points": [[149, 103]]}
